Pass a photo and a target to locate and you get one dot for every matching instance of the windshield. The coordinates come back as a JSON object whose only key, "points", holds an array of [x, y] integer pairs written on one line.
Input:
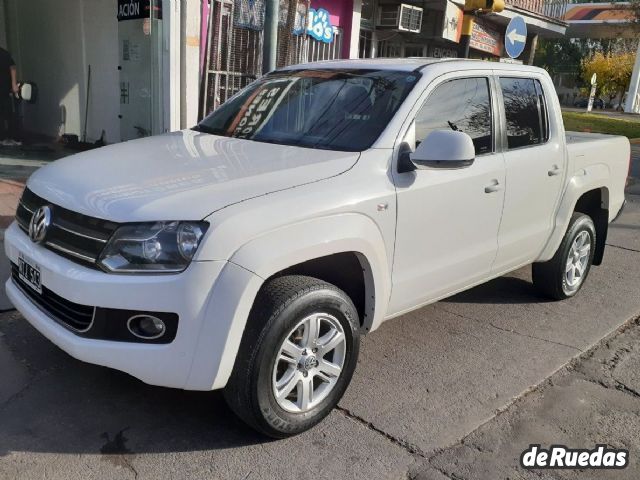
{"points": [[343, 110]]}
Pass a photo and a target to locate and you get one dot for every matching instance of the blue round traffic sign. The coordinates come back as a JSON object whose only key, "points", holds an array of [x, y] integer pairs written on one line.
{"points": [[515, 38]]}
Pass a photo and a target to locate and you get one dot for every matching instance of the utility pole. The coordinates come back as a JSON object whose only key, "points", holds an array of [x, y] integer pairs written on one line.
{"points": [[632, 105], [270, 50], [472, 9]]}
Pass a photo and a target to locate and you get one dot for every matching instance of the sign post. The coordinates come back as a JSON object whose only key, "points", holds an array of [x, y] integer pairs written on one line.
{"points": [[515, 37], [592, 95]]}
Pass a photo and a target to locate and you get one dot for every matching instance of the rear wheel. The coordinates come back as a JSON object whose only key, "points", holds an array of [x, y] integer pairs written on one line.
{"points": [[563, 275], [296, 358]]}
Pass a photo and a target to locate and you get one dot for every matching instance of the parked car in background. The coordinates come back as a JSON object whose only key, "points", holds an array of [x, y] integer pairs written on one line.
{"points": [[252, 252], [598, 103]]}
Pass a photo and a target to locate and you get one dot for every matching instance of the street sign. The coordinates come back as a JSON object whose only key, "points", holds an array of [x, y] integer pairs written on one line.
{"points": [[594, 77], [515, 37]]}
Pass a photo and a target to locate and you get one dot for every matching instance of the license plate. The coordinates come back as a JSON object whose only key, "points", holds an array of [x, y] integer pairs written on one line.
{"points": [[29, 273]]}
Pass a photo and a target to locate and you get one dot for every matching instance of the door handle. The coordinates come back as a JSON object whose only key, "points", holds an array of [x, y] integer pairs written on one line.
{"points": [[554, 171], [494, 187]]}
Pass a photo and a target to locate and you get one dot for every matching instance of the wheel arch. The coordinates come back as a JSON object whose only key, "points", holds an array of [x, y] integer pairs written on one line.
{"points": [[595, 203], [335, 249], [309, 247], [586, 192]]}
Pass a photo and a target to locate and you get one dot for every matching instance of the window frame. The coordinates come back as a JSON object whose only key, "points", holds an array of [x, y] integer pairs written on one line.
{"points": [[493, 107], [543, 117]]}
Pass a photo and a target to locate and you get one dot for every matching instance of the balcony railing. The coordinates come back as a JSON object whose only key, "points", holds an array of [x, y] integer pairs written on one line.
{"points": [[548, 8]]}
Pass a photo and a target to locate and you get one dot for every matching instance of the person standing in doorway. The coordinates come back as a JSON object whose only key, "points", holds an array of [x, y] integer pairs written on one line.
{"points": [[8, 87]]}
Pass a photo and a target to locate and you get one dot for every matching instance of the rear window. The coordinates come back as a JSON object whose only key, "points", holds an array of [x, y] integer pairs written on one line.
{"points": [[525, 111], [329, 109]]}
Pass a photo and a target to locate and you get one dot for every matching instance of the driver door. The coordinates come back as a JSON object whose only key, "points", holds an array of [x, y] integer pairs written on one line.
{"points": [[448, 219]]}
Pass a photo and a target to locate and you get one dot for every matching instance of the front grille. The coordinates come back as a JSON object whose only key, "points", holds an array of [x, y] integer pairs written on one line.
{"points": [[75, 236], [72, 315]]}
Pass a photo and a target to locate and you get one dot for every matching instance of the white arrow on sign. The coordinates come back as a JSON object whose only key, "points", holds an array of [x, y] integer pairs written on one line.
{"points": [[514, 37]]}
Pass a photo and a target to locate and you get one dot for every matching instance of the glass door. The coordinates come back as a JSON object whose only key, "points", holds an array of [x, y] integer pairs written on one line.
{"points": [[140, 36]]}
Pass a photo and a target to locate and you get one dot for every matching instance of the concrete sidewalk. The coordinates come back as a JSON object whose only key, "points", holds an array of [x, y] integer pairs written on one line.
{"points": [[10, 192]]}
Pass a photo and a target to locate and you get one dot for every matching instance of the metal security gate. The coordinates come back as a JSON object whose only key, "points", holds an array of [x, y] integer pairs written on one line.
{"points": [[309, 49], [235, 43], [234, 55]]}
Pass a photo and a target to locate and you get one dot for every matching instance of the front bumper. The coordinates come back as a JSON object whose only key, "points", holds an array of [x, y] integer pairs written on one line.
{"points": [[188, 294]]}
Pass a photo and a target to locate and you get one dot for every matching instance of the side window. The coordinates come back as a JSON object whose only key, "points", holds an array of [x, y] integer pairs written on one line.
{"points": [[463, 104], [526, 112]]}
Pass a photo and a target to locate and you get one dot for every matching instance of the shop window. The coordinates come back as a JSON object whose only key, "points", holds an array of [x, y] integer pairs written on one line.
{"points": [[366, 14], [389, 49], [414, 51], [366, 41]]}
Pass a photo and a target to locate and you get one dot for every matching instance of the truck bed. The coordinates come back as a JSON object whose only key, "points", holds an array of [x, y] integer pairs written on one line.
{"points": [[598, 155]]}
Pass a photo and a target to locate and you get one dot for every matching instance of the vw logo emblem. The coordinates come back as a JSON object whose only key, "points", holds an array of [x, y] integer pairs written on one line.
{"points": [[40, 224]]}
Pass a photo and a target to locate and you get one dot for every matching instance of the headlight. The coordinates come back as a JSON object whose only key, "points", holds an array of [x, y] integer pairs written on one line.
{"points": [[161, 247]]}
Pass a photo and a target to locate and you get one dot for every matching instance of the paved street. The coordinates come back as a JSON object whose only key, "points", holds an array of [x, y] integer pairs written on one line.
{"points": [[455, 390], [423, 401]]}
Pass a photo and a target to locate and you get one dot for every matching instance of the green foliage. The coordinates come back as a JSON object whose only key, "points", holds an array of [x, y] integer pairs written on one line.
{"points": [[560, 55], [613, 71]]}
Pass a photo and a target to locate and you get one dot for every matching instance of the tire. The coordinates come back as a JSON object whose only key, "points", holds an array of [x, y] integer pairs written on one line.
{"points": [[554, 278], [286, 308]]}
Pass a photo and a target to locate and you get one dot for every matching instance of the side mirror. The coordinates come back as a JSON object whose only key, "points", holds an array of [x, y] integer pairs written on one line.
{"points": [[445, 149]]}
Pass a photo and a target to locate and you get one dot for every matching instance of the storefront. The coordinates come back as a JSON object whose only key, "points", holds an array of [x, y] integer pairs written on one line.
{"points": [[432, 28], [309, 30], [105, 69]]}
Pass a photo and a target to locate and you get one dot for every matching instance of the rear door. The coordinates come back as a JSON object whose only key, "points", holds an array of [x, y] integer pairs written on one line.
{"points": [[535, 168]]}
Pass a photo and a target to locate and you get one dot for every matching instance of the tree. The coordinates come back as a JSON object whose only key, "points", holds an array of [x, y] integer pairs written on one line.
{"points": [[560, 55], [613, 72]]}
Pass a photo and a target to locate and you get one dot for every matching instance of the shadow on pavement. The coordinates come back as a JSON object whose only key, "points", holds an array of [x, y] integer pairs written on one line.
{"points": [[503, 290], [73, 407]]}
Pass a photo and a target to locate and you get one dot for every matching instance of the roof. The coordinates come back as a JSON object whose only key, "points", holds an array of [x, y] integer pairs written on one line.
{"points": [[407, 64], [401, 64]]}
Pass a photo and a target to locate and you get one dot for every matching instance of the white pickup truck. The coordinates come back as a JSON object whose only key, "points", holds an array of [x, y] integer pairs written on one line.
{"points": [[252, 252]]}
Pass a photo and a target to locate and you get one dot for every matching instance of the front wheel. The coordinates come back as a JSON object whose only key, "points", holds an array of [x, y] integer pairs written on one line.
{"points": [[563, 275], [296, 358]]}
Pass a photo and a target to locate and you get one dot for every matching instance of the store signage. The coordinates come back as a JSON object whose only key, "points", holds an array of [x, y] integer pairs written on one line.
{"points": [[249, 14], [452, 27], [485, 39], [137, 9], [442, 52], [319, 25]]}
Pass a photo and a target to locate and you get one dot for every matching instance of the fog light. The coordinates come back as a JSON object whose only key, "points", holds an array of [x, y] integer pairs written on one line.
{"points": [[146, 327]]}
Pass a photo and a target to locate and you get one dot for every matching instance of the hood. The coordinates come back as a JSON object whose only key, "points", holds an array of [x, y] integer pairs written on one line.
{"points": [[180, 176]]}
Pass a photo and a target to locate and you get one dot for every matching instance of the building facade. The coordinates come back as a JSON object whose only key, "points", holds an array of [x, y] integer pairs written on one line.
{"points": [[123, 69], [105, 69], [386, 29], [359, 28]]}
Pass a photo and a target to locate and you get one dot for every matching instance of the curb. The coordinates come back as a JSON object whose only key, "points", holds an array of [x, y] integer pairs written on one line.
{"points": [[14, 183]]}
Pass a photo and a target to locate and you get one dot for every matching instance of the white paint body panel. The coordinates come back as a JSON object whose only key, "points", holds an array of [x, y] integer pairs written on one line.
{"points": [[419, 236]]}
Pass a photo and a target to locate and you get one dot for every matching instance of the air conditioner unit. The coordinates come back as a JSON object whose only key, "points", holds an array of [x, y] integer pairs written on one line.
{"points": [[403, 17]]}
